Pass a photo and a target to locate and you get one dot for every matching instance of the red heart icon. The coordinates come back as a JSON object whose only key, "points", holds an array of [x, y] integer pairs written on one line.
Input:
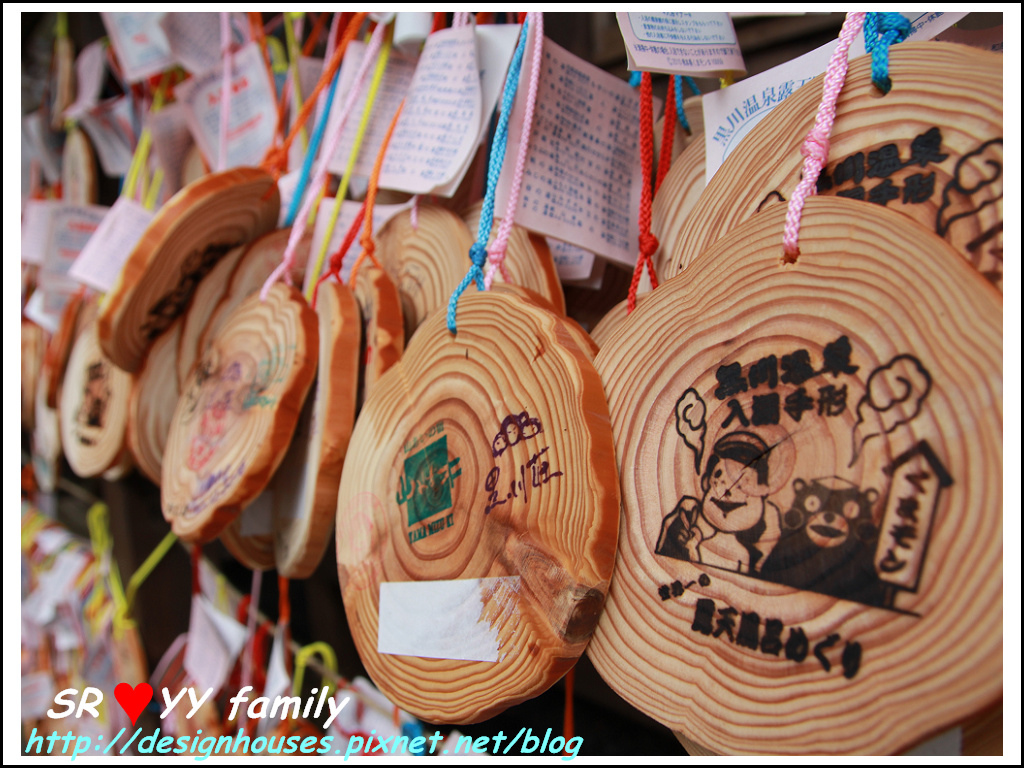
{"points": [[133, 700]]}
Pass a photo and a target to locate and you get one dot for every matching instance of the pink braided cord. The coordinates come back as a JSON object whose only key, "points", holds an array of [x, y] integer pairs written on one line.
{"points": [[815, 147]]}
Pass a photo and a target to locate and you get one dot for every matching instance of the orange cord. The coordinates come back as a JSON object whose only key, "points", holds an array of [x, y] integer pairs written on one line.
{"points": [[314, 35]]}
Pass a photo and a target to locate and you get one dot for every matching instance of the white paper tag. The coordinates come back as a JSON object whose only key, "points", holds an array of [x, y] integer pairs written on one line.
{"points": [[731, 113], [51, 540], [582, 180], [257, 519], [100, 261], [90, 67], [139, 42], [36, 229], [436, 134], [253, 111], [697, 44], [193, 38], [171, 142], [572, 262], [54, 586], [441, 619], [214, 642], [37, 692], [278, 682], [110, 128], [411, 30], [349, 210], [37, 135], [394, 85]]}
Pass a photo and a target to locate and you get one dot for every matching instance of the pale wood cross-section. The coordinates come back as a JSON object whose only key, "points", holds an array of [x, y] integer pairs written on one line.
{"points": [[56, 358], [33, 350], [383, 336], [425, 263], [811, 466], [305, 487], [78, 180], [677, 197], [186, 238], [235, 419], [931, 148], [93, 407], [153, 401], [482, 455]]}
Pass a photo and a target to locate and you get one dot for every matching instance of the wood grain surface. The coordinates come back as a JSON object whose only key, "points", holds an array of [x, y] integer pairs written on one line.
{"points": [[383, 336], [811, 467], [931, 148], [484, 455], [153, 401]]}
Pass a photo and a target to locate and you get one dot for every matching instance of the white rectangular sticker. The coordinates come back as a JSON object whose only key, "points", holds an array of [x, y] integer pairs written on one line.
{"points": [[697, 44], [731, 113], [442, 619]]}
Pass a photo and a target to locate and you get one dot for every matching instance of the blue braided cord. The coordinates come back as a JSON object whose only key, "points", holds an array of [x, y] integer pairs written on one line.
{"points": [[882, 30], [634, 79], [677, 80], [693, 85], [311, 150], [478, 251]]}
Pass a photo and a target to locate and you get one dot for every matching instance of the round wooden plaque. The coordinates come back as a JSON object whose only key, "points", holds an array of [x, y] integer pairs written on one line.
{"points": [[153, 401], [931, 148], [527, 258], [46, 448], [305, 487], [612, 321], [188, 236], [478, 492], [250, 536], [677, 197], [383, 337], [93, 407], [694, 108], [811, 558], [57, 351], [209, 292], [236, 417], [427, 263], [78, 180], [33, 349]]}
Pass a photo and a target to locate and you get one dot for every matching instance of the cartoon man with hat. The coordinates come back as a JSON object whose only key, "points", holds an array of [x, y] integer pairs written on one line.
{"points": [[733, 526]]}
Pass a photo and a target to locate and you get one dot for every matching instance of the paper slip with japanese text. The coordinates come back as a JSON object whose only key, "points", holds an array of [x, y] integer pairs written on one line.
{"points": [[252, 110], [582, 179], [139, 42], [38, 139], [571, 261], [193, 38], [696, 44], [731, 113], [394, 85], [214, 642], [90, 68], [436, 134], [111, 128], [100, 261], [382, 214]]}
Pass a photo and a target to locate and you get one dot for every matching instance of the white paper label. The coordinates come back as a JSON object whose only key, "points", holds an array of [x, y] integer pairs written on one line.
{"points": [[193, 38], [100, 261], [214, 642], [111, 129], [441, 619], [278, 682], [731, 113], [572, 262], [436, 134], [36, 134], [35, 229], [139, 42], [698, 44], [582, 180], [90, 67], [253, 111]]}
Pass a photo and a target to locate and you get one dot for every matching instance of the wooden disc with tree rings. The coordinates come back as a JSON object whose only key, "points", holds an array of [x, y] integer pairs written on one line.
{"points": [[186, 238], [383, 336], [250, 536], [203, 304], [78, 180], [256, 264], [612, 321], [59, 347], [811, 466], [478, 512], [305, 487], [694, 108], [194, 166], [153, 401], [93, 407], [528, 259], [681, 189], [46, 448], [931, 148], [425, 263], [236, 417], [33, 350]]}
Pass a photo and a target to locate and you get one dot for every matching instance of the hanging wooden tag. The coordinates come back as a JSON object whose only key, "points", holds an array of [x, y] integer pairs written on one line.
{"points": [[236, 417], [255, 265], [56, 358], [679, 193], [187, 237], [152, 404], [209, 292], [250, 536], [93, 407], [811, 467], [46, 449], [682, 140], [612, 321], [931, 148], [305, 487], [33, 348], [79, 183], [528, 259], [426, 263], [383, 337], [478, 512]]}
